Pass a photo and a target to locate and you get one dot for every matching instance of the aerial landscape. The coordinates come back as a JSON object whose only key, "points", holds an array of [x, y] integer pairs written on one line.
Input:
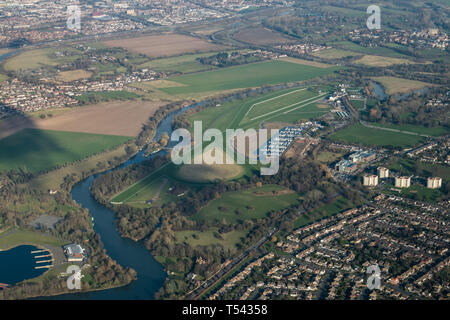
{"points": [[225, 150]]}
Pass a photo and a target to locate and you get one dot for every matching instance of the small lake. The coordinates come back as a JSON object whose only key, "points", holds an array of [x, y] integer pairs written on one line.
{"points": [[17, 264]]}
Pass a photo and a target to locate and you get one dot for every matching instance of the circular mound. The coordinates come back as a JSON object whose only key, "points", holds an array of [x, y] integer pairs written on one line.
{"points": [[203, 173]]}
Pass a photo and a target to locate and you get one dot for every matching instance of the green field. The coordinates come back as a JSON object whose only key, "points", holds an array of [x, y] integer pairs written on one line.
{"points": [[184, 64], [209, 237], [340, 204], [157, 190], [357, 133], [245, 76], [280, 103], [431, 131], [106, 96], [273, 106], [13, 238], [40, 150], [249, 204], [3, 77], [34, 59], [357, 104]]}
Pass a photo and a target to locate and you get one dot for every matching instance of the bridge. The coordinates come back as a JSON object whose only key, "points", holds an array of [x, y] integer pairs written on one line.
{"points": [[4, 285]]}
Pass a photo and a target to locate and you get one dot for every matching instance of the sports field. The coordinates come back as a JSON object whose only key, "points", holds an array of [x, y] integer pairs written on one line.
{"points": [[39, 150], [245, 76], [248, 204], [357, 133]]}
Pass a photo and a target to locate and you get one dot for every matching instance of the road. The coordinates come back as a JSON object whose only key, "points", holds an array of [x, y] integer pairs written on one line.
{"points": [[205, 286]]}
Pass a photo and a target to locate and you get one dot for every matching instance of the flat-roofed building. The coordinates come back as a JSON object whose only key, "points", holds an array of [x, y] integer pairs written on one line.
{"points": [[402, 182], [74, 252], [434, 183], [370, 180], [383, 172]]}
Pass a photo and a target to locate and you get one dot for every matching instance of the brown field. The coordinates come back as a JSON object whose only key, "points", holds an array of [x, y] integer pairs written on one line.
{"points": [[73, 75], [4, 51], [164, 45], [122, 118], [261, 36], [307, 62], [394, 85], [378, 61]]}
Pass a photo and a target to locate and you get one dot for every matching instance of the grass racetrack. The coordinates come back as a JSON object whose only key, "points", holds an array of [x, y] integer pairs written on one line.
{"points": [[202, 173], [40, 150], [357, 133]]}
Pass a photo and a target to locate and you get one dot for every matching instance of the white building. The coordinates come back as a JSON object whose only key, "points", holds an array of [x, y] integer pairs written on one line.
{"points": [[402, 182], [370, 180], [383, 172], [434, 183]]}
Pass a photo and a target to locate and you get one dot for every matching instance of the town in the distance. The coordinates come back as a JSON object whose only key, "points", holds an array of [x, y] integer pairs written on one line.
{"points": [[354, 94]]}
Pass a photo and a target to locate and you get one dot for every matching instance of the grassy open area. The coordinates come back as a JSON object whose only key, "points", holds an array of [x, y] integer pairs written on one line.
{"points": [[407, 166], [3, 77], [395, 85], [34, 59], [244, 76], [272, 105], [432, 131], [248, 204], [197, 238], [357, 133], [338, 205], [358, 104], [334, 54], [39, 150], [54, 178], [156, 191], [184, 64], [379, 51], [15, 237], [379, 61], [106, 96]]}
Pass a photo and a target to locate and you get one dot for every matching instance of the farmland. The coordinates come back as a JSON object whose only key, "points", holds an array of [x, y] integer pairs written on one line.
{"points": [[184, 64], [164, 45], [261, 36], [245, 76], [40, 150], [249, 204], [115, 118], [357, 133]]}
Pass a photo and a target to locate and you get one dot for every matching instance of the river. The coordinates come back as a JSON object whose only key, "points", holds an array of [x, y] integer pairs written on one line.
{"points": [[126, 252]]}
